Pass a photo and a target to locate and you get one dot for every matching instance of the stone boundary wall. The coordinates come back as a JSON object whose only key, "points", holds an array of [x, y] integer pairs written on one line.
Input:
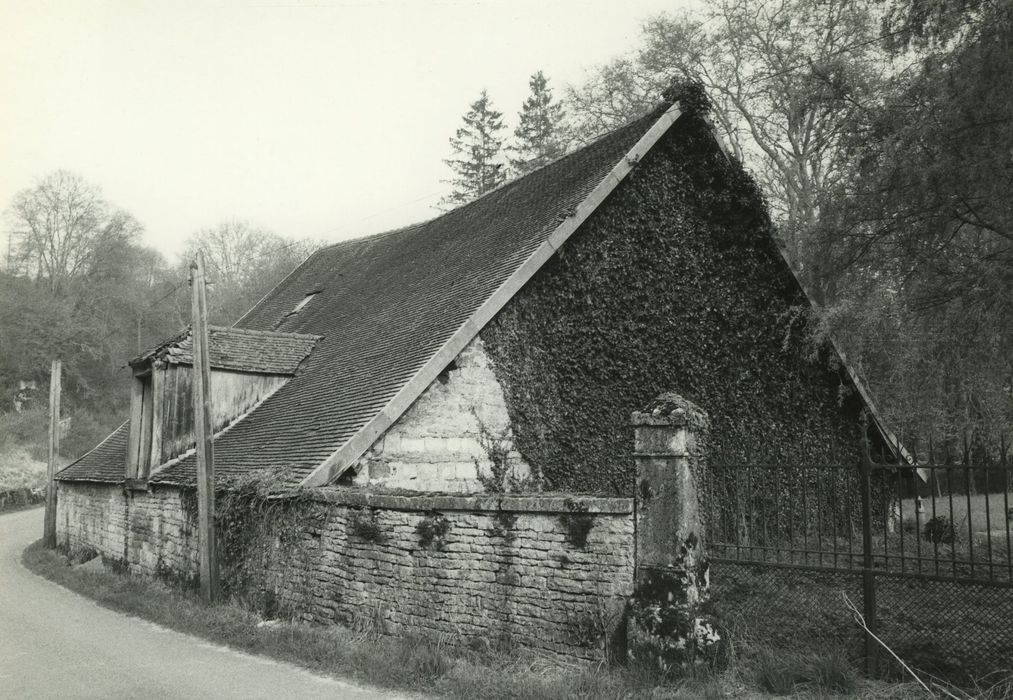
{"points": [[11, 499], [508, 571], [147, 531], [550, 572]]}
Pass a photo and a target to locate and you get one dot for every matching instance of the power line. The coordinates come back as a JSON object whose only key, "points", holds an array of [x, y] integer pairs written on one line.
{"points": [[143, 311]]}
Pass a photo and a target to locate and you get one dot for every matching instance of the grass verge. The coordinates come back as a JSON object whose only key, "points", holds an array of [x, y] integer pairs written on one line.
{"points": [[411, 664], [442, 668]]}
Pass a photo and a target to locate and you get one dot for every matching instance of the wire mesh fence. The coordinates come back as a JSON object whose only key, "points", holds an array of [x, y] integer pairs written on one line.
{"points": [[922, 549], [793, 610], [956, 631]]}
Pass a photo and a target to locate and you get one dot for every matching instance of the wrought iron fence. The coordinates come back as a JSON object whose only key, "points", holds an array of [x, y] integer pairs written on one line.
{"points": [[795, 516], [924, 548]]}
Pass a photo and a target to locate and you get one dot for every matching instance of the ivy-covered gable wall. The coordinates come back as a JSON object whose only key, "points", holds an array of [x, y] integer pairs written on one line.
{"points": [[673, 284]]}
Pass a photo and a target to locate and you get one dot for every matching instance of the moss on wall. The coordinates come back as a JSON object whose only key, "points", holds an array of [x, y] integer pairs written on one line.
{"points": [[674, 284]]}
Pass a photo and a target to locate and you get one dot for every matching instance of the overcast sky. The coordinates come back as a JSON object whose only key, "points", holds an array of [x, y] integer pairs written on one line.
{"points": [[324, 119]]}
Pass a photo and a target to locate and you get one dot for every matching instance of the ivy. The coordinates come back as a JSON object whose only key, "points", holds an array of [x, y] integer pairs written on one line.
{"points": [[432, 531], [577, 523], [674, 284], [253, 512], [365, 525]]}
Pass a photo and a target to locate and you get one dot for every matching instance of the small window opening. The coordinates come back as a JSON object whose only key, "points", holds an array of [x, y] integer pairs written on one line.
{"points": [[301, 304]]}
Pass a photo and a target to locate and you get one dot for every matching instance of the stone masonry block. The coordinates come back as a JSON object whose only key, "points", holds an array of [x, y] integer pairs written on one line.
{"points": [[478, 585]]}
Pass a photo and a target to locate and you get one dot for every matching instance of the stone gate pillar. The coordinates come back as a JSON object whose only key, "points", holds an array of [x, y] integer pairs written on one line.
{"points": [[667, 622]]}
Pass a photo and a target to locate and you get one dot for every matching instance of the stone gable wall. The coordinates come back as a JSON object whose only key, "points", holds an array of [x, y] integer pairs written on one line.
{"points": [[456, 430], [507, 570]]}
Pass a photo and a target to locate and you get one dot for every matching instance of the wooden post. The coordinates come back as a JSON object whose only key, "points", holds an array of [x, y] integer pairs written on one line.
{"points": [[49, 528], [868, 564], [203, 434]]}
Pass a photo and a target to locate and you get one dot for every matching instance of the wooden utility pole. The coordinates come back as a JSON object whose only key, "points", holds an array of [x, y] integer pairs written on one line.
{"points": [[49, 528], [202, 431]]}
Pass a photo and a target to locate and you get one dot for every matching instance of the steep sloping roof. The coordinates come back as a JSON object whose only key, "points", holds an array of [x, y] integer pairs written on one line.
{"points": [[106, 462], [240, 349], [395, 308]]}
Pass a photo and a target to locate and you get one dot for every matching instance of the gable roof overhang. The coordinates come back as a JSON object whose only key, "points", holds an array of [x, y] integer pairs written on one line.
{"points": [[237, 349], [889, 439]]}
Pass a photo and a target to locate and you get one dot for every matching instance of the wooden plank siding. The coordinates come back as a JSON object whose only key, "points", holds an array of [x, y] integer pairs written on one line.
{"points": [[136, 400], [232, 395]]}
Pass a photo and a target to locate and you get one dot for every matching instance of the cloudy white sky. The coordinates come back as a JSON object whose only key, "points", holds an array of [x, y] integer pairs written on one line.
{"points": [[325, 119]]}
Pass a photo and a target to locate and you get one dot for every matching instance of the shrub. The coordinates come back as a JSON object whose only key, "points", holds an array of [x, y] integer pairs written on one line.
{"points": [[19, 471], [83, 429], [432, 531], [22, 479], [939, 530], [87, 429], [578, 523], [28, 429], [365, 526]]}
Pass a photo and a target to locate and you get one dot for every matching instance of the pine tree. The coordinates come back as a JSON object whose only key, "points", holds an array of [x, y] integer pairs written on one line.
{"points": [[538, 136], [475, 162]]}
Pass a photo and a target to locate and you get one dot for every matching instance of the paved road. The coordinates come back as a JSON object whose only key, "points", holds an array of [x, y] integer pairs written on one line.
{"points": [[57, 644]]}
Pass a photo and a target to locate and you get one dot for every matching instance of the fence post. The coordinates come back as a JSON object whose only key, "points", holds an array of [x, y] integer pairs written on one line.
{"points": [[868, 573], [672, 571]]}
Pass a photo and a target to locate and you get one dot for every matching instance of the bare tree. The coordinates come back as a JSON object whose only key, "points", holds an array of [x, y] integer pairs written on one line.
{"points": [[785, 77], [57, 227], [244, 262]]}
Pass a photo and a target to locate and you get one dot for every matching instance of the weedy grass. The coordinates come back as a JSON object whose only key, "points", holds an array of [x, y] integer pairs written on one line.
{"points": [[790, 673], [444, 668], [412, 663]]}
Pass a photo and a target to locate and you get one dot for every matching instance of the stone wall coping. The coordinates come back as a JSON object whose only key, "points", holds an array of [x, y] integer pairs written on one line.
{"points": [[670, 409], [664, 419], [531, 503]]}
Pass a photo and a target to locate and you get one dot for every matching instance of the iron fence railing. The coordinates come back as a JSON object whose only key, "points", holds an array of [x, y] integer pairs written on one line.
{"points": [[945, 519], [951, 520]]}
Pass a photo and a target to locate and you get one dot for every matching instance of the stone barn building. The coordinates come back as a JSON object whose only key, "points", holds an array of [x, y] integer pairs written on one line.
{"points": [[455, 398]]}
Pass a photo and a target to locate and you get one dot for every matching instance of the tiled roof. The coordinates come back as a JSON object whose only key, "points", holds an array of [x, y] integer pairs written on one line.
{"points": [[388, 307], [107, 461], [241, 349], [386, 304]]}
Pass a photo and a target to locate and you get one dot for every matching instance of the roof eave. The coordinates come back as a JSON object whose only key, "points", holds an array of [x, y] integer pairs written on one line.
{"points": [[107, 438], [900, 452]]}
